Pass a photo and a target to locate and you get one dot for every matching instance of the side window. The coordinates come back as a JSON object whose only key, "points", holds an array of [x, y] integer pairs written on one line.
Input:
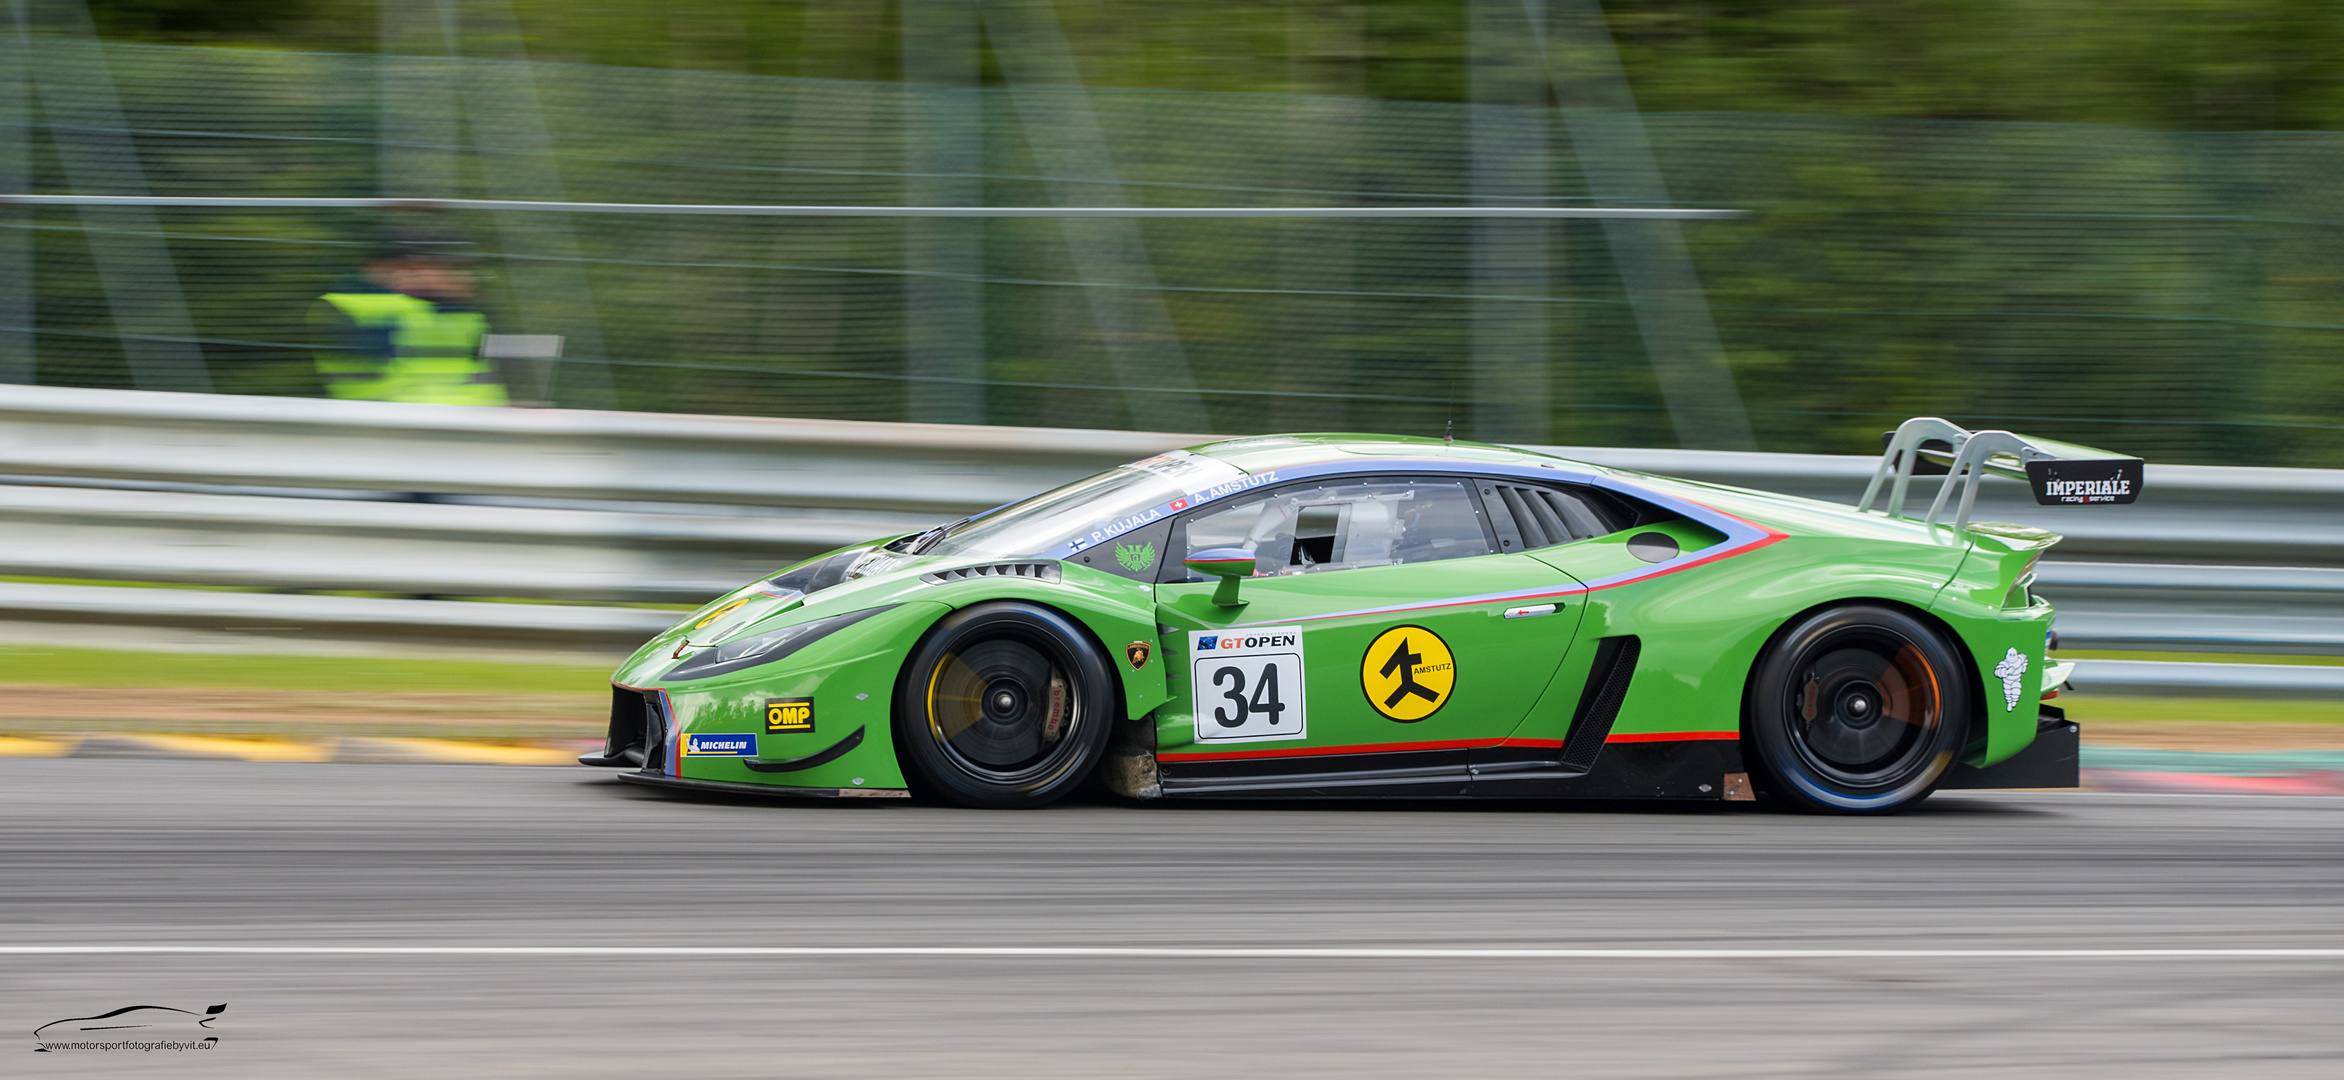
{"points": [[1529, 516], [1342, 524]]}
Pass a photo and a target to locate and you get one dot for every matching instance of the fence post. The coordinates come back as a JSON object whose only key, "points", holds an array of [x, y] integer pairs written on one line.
{"points": [[126, 242], [1512, 348], [1318, 260], [550, 283], [1656, 267], [16, 175], [1143, 345], [944, 159], [416, 107]]}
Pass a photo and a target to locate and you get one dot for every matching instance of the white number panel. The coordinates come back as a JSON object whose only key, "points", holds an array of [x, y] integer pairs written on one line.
{"points": [[1247, 684]]}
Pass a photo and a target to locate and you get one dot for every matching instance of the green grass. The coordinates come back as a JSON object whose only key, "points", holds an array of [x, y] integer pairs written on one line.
{"points": [[2085, 708], [44, 666], [20, 579]]}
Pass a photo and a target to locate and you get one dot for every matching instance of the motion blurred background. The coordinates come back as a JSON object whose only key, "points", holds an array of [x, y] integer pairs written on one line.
{"points": [[2110, 224], [2118, 221]]}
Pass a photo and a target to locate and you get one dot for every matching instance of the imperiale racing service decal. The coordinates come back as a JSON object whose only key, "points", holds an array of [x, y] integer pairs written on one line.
{"points": [[2085, 482]]}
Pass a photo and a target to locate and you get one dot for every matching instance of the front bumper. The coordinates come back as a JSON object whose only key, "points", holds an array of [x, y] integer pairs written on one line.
{"points": [[643, 739]]}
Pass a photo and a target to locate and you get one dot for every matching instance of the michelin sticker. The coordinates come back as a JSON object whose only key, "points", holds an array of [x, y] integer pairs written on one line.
{"points": [[720, 746], [2013, 670], [1247, 684]]}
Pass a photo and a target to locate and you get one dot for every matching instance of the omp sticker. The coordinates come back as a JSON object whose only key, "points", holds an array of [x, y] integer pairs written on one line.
{"points": [[720, 746], [1408, 673], [1247, 685], [789, 714]]}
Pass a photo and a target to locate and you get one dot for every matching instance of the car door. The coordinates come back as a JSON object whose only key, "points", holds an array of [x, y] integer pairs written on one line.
{"points": [[1596, 536], [1383, 635]]}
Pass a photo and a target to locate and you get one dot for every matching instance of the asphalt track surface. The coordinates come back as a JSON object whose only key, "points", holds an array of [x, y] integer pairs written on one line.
{"points": [[1803, 932]]}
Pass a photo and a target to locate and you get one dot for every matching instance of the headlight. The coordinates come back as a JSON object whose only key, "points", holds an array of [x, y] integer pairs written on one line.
{"points": [[748, 652]]}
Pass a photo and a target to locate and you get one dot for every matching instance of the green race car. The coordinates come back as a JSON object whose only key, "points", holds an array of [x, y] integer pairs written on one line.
{"points": [[1340, 616]]}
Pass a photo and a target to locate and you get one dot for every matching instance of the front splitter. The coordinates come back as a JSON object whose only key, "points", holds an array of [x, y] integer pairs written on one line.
{"points": [[778, 792]]}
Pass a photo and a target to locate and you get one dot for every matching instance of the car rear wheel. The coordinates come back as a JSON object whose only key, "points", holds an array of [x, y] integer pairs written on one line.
{"points": [[1003, 705], [1856, 709]]}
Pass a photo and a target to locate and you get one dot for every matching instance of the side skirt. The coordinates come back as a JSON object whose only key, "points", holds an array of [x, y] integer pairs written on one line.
{"points": [[1424, 774], [1676, 769]]}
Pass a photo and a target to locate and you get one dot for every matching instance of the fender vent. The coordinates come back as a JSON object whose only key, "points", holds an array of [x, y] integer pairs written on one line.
{"points": [[1599, 705], [1037, 571]]}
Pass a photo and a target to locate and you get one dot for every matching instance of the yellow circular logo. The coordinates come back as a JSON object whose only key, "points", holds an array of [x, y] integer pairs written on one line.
{"points": [[1408, 673]]}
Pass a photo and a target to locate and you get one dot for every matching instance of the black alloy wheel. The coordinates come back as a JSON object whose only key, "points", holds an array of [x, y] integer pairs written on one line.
{"points": [[1004, 705], [1856, 709]]}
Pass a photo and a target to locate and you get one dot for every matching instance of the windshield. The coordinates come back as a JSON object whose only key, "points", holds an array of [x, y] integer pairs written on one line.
{"points": [[1084, 512], [1052, 518]]}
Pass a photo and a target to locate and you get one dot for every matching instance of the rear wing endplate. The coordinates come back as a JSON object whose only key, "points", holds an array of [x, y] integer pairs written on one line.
{"points": [[2061, 473]]}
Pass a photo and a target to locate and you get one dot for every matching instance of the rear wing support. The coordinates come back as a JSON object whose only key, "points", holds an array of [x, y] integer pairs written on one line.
{"points": [[2061, 473]]}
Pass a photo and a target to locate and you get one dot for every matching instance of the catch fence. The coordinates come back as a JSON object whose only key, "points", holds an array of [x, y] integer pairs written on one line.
{"points": [[2166, 293]]}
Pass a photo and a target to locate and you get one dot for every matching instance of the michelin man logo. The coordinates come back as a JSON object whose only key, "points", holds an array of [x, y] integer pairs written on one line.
{"points": [[2012, 668]]}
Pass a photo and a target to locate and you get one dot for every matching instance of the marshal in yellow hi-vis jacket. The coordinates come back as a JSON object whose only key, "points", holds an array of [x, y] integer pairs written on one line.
{"points": [[405, 333]]}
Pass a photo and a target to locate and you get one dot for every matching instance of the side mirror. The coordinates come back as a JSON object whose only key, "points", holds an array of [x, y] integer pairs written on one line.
{"points": [[1231, 565]]}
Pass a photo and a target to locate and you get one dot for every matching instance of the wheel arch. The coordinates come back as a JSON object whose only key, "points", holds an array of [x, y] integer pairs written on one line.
{"points": [[901, 692], [1106, 617], [1128, 688], [1974, 724]]}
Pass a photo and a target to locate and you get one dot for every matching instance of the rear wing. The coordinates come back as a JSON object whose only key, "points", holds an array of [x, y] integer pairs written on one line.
{"points": [[2061, 473]]}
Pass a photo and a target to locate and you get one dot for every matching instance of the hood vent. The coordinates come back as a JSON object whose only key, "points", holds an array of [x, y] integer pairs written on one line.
{"points": [[1038, 571]]}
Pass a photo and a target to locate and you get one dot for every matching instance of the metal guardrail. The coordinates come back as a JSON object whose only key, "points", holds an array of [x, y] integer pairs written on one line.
{"points": [[2147, 678], [600, 509], [2210, 558]]}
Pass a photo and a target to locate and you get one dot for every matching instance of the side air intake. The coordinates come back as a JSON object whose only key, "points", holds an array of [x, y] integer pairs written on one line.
{"points": [[1607, 688], [1038, 571]]}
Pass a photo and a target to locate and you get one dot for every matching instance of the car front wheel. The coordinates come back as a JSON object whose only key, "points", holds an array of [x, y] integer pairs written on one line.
{"points": [[1004, 705], [1856, 709]]}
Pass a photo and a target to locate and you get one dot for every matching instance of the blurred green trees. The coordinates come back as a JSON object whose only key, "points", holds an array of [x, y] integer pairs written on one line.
{"points": [[2180, 64], [2110, 223]]}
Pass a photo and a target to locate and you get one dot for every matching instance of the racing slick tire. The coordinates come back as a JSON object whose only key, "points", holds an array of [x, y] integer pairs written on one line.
{"points": [[1004, 705], [1856, 709]]}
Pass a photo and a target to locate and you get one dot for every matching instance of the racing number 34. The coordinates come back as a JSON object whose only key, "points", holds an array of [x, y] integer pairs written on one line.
{"points": [[1247, 685], [1241, 708]]}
